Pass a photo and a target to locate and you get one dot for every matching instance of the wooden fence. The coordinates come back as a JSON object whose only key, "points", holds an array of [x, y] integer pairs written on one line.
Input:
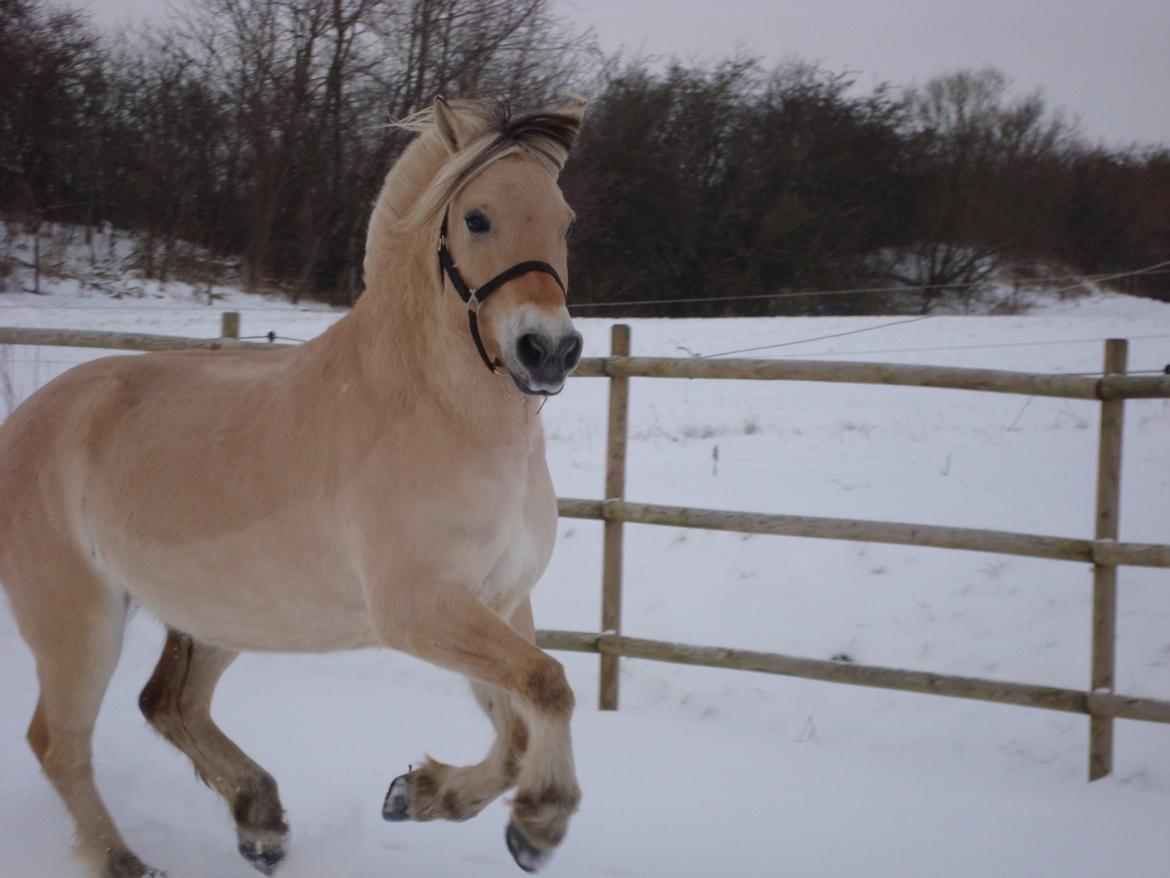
{"points": [[1105, 552]]}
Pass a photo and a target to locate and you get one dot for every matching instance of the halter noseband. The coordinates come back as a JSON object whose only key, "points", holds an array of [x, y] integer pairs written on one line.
{"points": [[476, 296]]}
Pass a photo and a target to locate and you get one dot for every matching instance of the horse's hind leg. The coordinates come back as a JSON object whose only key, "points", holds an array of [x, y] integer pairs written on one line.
{"points": [[435, 791], [75, 660], [177, 701]]}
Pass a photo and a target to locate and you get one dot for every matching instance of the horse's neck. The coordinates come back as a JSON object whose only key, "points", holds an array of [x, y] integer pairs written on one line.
{"points": [[410, 348]]}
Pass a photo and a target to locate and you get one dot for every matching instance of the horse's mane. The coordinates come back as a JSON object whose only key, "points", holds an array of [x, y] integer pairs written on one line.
{"points": [[495, 131]]}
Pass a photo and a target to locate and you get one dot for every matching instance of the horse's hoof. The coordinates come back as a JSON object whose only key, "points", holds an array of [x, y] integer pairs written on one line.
{"points": [[396, 808], [264, 855], [527, 857]]}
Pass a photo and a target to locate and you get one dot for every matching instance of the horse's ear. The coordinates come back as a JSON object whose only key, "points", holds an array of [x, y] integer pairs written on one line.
{"points": [[454, 128], [574, 107]]}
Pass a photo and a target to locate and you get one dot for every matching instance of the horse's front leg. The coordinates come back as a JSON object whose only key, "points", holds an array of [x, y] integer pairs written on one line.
{"points": [[435, 791], [448, 627]]}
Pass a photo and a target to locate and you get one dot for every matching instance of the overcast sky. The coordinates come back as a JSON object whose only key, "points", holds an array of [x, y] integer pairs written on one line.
{"points": [[1107, 61]]}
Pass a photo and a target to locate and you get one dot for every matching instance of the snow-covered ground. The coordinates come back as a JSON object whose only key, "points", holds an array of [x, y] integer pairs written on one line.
{"points": [[707, 772]]}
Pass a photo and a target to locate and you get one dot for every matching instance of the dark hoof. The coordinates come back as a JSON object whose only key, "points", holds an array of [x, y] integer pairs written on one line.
{"points": [[527, 857], [264, 855], [396, 808]]}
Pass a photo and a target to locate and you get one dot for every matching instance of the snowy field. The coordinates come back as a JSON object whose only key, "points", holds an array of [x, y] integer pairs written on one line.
{"points": [[706, 772]]}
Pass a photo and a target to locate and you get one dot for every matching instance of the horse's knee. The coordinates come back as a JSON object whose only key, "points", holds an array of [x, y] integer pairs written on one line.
{"points": [[38, 733], [67, 762], [160, 710], [150, 701], [160, 698], [547, 688]]}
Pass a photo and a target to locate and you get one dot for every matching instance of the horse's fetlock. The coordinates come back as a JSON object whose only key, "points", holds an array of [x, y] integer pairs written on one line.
{"points": [[121, 863], [425, 784], [543, 815], [430, 798], [257, 806]]}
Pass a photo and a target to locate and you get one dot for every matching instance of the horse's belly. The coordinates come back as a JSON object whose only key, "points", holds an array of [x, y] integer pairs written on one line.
{"points": [[249, 592]]}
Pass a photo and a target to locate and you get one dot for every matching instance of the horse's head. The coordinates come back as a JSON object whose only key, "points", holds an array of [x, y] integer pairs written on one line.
{"points": [[503, 236]]}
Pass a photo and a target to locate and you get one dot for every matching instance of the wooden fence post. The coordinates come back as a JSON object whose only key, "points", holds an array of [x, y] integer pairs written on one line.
{"points": [[230, 321], [1105, 575], [615, 489]]}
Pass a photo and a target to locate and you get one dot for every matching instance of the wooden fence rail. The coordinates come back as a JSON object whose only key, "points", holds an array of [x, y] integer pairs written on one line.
{"points": [[1104, 551], [123, 341], [894, 374], [1096, 704]]}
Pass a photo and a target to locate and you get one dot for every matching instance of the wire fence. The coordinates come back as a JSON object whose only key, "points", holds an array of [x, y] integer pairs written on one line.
{"points": [[1039, 282]]}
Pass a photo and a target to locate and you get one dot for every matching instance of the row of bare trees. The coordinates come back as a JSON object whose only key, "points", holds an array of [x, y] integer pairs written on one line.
{"points": [[258, 129], [702, 184], [252, 127]]}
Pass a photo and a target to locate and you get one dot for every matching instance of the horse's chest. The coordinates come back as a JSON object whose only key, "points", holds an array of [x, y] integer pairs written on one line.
{"points": [[487, 523], [524, 533], [523, 559]]}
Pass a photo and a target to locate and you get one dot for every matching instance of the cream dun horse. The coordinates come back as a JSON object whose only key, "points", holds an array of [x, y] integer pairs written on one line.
{"points": [[376, 486]]}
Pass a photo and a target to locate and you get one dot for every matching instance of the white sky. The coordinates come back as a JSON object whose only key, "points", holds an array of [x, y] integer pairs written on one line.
{"points": [[1107, 61]]}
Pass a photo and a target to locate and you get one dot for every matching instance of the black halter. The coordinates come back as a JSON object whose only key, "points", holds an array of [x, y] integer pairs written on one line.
{"points": [[476, 296]]}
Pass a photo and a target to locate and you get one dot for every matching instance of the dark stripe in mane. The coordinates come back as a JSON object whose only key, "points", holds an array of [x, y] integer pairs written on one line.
{"points": [[546, 134], [524, 127]]}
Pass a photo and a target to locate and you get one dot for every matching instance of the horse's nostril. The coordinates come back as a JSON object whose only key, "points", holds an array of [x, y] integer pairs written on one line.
{"points": [[571, 351], [533, 350]]}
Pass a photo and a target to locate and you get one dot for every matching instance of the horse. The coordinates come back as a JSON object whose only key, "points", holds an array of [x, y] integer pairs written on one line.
{"points": [[374, 487]]}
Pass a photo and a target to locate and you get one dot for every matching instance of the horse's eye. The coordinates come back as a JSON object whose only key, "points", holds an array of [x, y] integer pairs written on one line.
{"points": [[477, 222], [569, 230]]}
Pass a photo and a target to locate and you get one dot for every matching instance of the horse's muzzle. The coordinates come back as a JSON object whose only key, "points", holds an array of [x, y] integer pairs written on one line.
{"points": [[541, 362]]}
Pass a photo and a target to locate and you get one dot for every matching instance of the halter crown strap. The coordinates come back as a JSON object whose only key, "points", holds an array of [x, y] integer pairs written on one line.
{"points": [[475, 296]]}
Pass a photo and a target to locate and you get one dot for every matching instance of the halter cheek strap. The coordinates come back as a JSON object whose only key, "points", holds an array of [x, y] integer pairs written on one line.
{"points": [[476, 296]]}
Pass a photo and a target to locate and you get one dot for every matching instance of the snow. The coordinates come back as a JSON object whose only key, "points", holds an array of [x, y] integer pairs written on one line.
{"points": [[705, 772]]}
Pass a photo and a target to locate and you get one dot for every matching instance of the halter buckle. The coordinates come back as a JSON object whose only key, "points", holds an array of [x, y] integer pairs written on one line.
{"points": [[473, 302]]}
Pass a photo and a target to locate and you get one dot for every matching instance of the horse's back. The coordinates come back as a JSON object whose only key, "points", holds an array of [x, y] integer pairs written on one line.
{"points": [[109, 415]]}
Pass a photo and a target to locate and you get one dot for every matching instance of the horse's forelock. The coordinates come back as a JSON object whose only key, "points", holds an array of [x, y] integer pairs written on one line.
{"points": [[546, 135]]}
